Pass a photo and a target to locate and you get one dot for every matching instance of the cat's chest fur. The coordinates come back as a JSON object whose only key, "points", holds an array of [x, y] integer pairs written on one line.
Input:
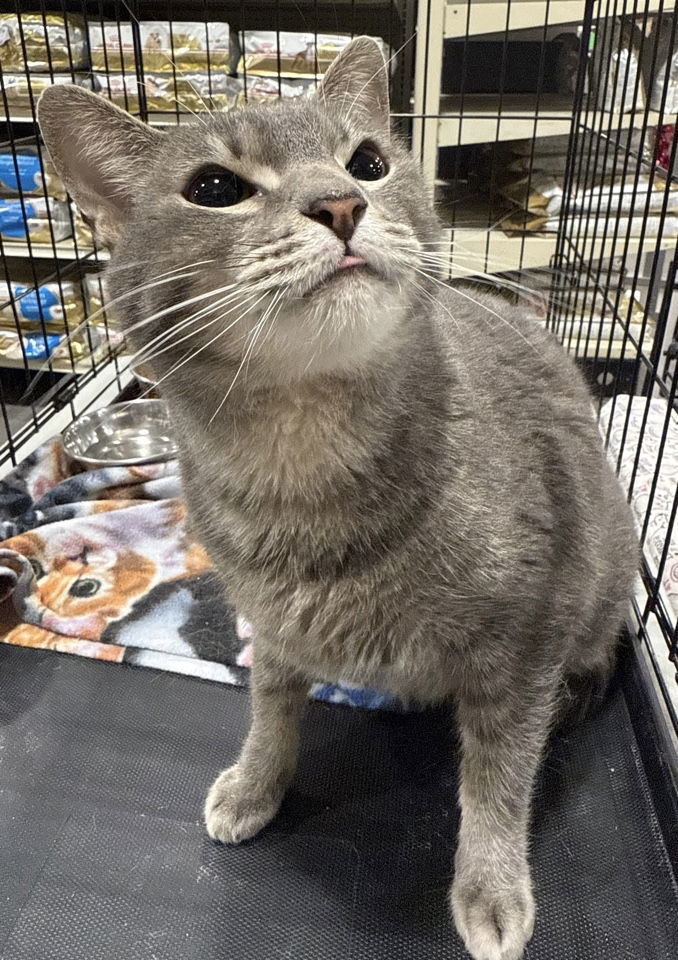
{"points": [[314, 514]]}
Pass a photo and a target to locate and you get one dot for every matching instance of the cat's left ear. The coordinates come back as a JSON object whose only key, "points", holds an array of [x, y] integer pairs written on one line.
{"points": [[357, 82], [99, 151]]}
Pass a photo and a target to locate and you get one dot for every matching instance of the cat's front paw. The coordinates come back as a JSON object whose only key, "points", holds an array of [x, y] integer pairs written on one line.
{"points": [[237, 807], [494, 923]]}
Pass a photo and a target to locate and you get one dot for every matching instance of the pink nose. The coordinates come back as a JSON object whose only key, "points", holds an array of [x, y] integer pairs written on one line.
{"points": [[341, 215]]}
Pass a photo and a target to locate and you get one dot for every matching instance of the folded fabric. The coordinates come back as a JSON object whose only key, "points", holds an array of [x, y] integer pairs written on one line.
{"points": [[592, 228], [542, 195], [101, 563]]}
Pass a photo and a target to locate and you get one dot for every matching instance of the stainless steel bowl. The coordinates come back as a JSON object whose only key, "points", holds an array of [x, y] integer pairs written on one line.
{"points": [[122, 435], [144, 375]]}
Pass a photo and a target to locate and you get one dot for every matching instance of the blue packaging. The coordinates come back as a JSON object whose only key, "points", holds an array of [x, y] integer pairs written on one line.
{"points": [[35, 348], [25, 173], [12, 221]]}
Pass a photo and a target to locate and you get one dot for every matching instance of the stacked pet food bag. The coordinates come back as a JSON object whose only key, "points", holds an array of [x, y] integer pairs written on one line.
{"points": [[185, 67], [189, 67], [35, 319], [36, 51], [33, 202], [278, 64]]}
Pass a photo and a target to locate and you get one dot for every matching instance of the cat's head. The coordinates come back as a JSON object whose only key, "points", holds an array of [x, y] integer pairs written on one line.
{"points": [[289, 232]]}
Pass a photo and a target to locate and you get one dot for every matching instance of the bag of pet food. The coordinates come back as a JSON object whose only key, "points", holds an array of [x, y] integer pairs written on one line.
{"points": [[167, 46], [32, 219], [263, 89], [21, 172], [23, 90], [52, 304], [272, 53], [42, 42]]}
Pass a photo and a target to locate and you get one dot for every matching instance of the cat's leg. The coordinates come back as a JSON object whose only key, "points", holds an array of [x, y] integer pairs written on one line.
{"points": [[502, 739], [246, 796]]}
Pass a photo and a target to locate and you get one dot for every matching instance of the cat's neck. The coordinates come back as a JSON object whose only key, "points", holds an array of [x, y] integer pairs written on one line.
{"points": [[302, 435]]}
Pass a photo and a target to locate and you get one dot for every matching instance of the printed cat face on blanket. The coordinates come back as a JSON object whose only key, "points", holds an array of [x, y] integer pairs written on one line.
{"points": [[90, 574]]}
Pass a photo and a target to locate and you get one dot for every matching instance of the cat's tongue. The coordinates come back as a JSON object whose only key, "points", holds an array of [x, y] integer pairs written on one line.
{"points": [[350, 261]]}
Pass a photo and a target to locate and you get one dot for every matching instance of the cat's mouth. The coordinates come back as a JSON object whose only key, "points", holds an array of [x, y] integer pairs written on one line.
{"points": [[350, 265], [350, 261]]}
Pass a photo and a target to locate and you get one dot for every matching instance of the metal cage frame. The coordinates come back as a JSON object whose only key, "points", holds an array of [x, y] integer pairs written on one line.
{"points": [[597, 261]]}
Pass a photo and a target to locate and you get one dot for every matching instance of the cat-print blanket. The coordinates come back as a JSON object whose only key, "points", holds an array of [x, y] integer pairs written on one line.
{"points": [[101, 564]]}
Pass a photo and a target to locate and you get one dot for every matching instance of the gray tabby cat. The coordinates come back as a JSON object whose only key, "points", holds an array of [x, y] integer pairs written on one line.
{"points": [[401, 486]]}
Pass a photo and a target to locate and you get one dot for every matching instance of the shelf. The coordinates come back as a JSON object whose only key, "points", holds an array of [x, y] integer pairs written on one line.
{"points": [[603, 351], [477, 244], [476, 118], [486, 118], [475, 251], [58, 366], [63, 364], [63, 250], [476, 18], [498, 16], [156, 119]]}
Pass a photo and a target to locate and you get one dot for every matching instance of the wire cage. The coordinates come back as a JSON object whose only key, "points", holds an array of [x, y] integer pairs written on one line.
{"points": [[546, 129], [60, 350], [548, 132], [613, 295]]}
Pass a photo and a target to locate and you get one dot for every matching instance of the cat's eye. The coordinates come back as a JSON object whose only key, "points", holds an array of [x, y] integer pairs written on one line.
{"points": [[367, 164], [85, 587], [217, 187]]}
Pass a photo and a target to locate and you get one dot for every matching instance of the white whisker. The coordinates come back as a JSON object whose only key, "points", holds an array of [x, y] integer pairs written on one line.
{"points": [[181, 325], [484, 307], [248, 350]]}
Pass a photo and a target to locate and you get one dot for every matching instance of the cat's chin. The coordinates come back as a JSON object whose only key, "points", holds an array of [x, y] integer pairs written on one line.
{"points": [[338, 330]]}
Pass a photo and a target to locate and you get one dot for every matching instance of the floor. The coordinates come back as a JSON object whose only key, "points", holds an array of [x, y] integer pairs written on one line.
{"points": [[103, 769]]}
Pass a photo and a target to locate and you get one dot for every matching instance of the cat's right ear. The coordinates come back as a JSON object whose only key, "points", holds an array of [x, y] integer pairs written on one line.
{"points": [[98, 150], [357, 81]]}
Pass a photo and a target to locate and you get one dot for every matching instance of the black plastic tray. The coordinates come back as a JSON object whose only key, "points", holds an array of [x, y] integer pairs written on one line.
{"points": [[103, 771]]}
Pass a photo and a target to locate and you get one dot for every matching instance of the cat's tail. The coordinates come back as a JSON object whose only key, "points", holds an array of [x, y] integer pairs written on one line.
{"points": [[584, 695]]}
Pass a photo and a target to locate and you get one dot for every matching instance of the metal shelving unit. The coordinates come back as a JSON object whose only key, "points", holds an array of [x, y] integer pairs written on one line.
{"points": [[60, 250], [453, 121], [474, 118]]}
